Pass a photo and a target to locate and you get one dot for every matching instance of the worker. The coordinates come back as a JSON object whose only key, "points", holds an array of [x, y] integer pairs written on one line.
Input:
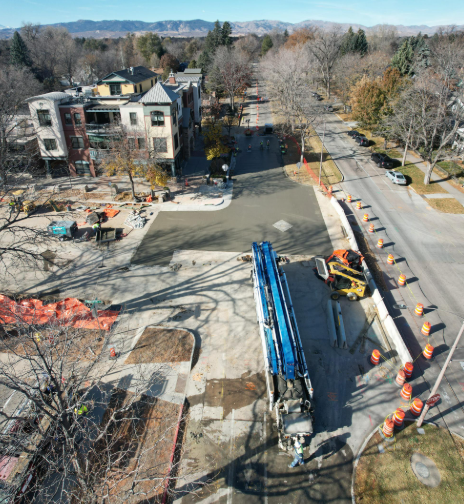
{"points": [[298, 460], [267, 145], [96, 227]]}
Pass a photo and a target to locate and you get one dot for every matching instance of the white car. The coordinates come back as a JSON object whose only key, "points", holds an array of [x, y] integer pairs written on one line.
{"points": [[396, 177]]}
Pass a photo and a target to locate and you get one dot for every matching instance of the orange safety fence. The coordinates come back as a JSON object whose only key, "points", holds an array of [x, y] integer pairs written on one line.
{"points": [[308, 169], [69, 312], [110, 212]]}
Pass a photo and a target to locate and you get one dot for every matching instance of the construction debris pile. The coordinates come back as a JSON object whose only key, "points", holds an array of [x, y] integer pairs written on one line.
{"points": [[135, 220]]}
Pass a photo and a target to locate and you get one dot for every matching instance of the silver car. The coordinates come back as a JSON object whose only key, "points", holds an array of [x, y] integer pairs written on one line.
{"points": [[396, 177]]}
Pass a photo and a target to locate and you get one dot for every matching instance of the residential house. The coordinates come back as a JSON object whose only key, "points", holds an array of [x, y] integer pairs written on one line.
{"points": [[133, 80], [22, 147], [195, 78], [46, 118]]}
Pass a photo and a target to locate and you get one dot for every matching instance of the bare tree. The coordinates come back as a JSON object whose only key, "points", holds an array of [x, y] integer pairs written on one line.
{"points": [[231, 71], [249, 45], [324, 51], [384, 38], [79, 427]]}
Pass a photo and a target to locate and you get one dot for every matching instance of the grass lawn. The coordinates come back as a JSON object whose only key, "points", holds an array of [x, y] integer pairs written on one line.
{"points": [[415, 178], [446, 205], [330, 173], [387, 478]]}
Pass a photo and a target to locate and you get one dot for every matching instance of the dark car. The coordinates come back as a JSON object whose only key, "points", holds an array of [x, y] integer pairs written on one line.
{"points": [[353, 133], [328, 108], [362, 140], [382, 160]]}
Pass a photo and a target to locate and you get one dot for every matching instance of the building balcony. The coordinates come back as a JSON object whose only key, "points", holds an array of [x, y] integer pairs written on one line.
{"points": [[102, 129]]}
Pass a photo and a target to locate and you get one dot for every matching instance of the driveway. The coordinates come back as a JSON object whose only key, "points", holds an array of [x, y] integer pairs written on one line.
{"points": [[262, 196]]}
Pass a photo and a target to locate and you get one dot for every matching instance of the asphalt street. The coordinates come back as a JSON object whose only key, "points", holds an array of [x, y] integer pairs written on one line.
{"points": [[428, 248], [262, 196]]}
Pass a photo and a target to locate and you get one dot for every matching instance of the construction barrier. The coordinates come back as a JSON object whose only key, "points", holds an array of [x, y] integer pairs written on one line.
{"points": [[358, 205], [112, 353], [348, 198], [408, 368], [68, 312], [398, 418], [416, 407], [419, 311], [371, 228], [426, 329], [428, 351], [387, 428], [406, 391], [375, 357], [400, 378], [402, 280], [380, 243], [366, 218], [390, 259]]}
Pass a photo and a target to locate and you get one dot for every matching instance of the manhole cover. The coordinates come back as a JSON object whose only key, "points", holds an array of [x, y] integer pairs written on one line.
{"points": [[282, 225], [425, 470], [422, 470]]}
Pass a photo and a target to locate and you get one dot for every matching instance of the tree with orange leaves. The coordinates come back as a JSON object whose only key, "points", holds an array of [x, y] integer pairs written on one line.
{"points": [[299, 38]]}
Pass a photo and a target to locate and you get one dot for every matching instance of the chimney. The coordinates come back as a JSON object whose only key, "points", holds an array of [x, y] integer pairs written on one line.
{"points": [[131, 70], [172, 78]]}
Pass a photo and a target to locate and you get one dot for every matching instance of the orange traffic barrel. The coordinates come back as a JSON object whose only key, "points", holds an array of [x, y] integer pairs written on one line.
{"points": [[390, 259], [408, 368], [419, 311], [426, 329], [398, 418], [371, 228], [375, 357], [406, 391], [380, 243], [348, 198], [400, 378], [387, 428], [428, 351], [416, 407], [112, 352], [402, 279], [358, 205], [366, 217]]}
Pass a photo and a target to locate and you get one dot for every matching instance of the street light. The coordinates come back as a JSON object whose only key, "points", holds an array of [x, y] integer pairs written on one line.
{"points": [[445, 365]]}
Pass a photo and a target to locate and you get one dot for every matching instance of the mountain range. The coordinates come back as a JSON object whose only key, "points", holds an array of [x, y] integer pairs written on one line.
{"points": [[199, 28]]}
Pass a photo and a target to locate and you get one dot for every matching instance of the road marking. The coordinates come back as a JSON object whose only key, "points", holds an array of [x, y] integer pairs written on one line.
{"points": [[8, 400], [232, 462], [462, 365]]}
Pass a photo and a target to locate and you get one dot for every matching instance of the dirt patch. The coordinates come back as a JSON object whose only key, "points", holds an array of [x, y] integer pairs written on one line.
{"points": [[371, 259], [95, 195], [387, 478], [159, 344], [140, 444], [446, 205]]}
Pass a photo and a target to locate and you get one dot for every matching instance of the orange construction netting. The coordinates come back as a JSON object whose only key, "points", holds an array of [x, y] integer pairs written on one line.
{"points": [[69, 312]]}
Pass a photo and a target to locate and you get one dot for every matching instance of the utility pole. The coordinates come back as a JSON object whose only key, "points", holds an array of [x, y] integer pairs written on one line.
{"points": [[440, 376], [322, 150]]}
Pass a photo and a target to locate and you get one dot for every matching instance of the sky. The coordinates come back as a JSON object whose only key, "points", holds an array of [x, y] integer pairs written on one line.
{"points": [[406, 12]]}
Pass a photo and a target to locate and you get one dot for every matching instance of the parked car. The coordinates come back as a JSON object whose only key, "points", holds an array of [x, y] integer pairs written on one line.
{"points": [[361, 140], [396, 177], [353, 133], [318, 97], [382, 160], [328, 108]]}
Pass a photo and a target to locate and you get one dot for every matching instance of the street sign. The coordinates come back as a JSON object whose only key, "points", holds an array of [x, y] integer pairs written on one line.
{"points": [[432, 400]]}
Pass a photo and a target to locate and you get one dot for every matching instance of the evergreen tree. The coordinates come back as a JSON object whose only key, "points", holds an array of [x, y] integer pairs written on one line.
{"points": [[266, 45], [192, 64], [403, 58], [19, 54], [217, 35], [361, 45], [286, 34], [226, 32], [349, 40]]}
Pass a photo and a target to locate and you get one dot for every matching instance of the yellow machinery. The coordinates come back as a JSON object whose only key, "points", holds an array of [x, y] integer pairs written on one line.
{"points": [[343, 280], [27, 206]]}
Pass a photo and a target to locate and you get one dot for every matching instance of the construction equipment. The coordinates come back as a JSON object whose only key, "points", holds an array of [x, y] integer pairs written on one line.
{"points": [[289, 387], [64, 229], [342, 272], [27, 206]]}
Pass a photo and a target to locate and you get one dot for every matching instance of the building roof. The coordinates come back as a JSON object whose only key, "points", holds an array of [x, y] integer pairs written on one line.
{"points": [[103, 108], [134, 75], [159, 94], [187, 78], [53, 96], [192, 71]]}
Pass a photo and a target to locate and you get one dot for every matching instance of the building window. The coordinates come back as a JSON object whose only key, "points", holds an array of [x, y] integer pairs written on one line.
{"points": [[141, 143], [174, 117], [199, 92], [133, 118], [157, 118], [160, 144], [77, 119], [82, 168], [115, 89], [135, 88], [77, 142], [50, 144], [152, 83], [131, 143], [45, 119], [140, 86], [67, 119], [176, 141]]}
